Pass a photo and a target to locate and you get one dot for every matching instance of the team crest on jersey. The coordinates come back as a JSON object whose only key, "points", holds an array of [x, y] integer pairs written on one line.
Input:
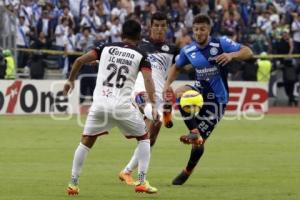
{"points": [[165, 48], [213, 51]]}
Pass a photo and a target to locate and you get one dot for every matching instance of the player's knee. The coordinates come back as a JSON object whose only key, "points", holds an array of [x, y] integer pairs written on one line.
{"points": [[179, 91], [88, 141]]}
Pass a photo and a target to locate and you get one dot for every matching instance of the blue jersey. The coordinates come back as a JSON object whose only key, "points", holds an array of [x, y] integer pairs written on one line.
{"points": [[211, 78]]}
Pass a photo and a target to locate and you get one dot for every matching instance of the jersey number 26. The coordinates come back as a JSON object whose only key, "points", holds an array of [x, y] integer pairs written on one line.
{"points": [[119, 72]]}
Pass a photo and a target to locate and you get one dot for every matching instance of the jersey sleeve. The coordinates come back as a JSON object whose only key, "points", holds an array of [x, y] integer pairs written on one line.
{"points": [[181, 59], [229, 45], [98, 50], [145, 63]]}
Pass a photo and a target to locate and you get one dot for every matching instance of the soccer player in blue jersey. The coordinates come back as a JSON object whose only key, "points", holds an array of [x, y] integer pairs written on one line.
{"points": [[209, 57]]}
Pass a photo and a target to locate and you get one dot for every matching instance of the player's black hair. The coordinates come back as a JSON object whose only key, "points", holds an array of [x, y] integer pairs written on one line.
{"points": [[201, 18], [131, 29], [158, 16]]}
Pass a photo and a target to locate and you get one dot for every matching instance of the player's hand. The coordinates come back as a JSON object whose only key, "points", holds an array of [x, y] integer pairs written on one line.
{"points": [[224, 59], [168, 94], [68, 87], [155, 114]]}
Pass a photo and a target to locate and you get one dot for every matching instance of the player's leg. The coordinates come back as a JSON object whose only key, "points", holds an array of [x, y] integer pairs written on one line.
{"points": [[195, 155], [79, 157], [208, 117], [154, 128], [133, 126], [92, 130], [126, 174], [189, 119]]}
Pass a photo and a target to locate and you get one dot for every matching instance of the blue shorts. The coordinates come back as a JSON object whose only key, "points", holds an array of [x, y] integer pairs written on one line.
{"points": [[210, 114]]}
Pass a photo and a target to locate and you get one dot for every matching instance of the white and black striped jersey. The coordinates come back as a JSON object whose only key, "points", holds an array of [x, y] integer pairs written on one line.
{"points": [[161, 56], [118, 68]]}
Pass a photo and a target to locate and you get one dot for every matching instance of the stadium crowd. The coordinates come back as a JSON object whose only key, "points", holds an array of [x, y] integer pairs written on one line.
{"points": [[268, 27]]}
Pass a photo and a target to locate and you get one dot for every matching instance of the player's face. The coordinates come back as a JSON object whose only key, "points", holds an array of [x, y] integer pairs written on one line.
{"points": [[201, 32], [158, 30]]}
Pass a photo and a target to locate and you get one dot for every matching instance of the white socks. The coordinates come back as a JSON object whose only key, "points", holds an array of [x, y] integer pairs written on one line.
{"points": [[140, 158], [79, 157], [133, 163]]}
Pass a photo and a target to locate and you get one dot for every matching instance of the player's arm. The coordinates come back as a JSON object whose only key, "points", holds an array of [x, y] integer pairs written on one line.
{"points": [[181, 60], [150, 89], [233, 51], [172, 76], [145, 68], [149, 85], [84, 59]]}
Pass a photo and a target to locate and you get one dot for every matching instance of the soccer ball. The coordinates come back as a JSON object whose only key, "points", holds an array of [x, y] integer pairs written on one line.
{"points": [[191, 101]]}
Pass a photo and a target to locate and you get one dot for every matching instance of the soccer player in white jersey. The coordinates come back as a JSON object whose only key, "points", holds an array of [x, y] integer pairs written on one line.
{"points": [[161, 56], [119, 64]]}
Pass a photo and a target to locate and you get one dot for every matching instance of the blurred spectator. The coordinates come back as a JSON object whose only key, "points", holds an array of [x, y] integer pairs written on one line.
{"points": [[119, 11], [91, 20], [41, 43], [61, 31], [85, 40], [289, 79], [296, 33], [292, 7], [259, 42], [77, 7], [184, 39], [249, 70], [274, 16], [26, 11], [46, 24], [174, 12], [67, 14], [22, 41], [37, 63], [69, 42], [2, 65], [264, 22], [161, 5], [101, 11], [115, 30], [102, 35], [285, 44], [128, 5], [231, 26]]}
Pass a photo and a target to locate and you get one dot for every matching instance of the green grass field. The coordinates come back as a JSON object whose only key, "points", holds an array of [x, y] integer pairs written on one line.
{"points": [[243, 160]]}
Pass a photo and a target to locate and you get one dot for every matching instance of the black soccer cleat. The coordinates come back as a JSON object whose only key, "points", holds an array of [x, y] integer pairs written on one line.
{"points": [[181, 178]]}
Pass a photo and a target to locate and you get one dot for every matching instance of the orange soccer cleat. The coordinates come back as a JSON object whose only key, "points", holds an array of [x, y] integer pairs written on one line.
{"points": [[126, 177]]}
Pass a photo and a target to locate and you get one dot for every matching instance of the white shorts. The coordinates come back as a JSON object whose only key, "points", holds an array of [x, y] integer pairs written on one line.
{"points": [[129, 121]]}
